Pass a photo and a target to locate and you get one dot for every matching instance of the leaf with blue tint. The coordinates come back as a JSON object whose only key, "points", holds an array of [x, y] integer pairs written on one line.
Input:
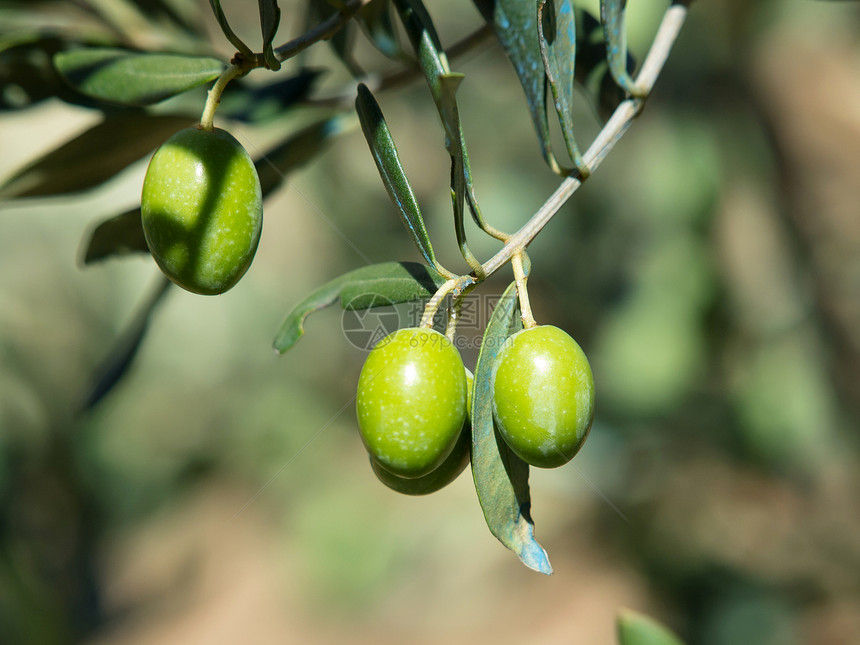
{"points": [[131, 78], [391, 170], [557, 33], [263, 103], [373, 285], [637, 629], [298, 149], [501, 478], [515, 25], [615, 35]]}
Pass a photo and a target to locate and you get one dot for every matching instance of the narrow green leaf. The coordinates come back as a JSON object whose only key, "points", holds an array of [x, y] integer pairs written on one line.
{"points": [[634, 628], [390, 169], [375, 19], [557, 34], [615, 34], [94, 156], [122, 355], [270, 17], [501, 478], [515, 25], [390, 283], [592, 70], [131, 78], [443, 87], [393, 281], [119, 235], [240, 46]]}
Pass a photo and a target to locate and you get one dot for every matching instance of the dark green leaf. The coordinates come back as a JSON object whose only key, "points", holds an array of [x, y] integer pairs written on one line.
{"points": [[119, 235], [443, 87], [94, 156], [615, 34], [122, 355], [637, 629], [299, 148], [592, 70], [501, 478], [263, 103], [515, 24], [390, 169], [368, 286], [390, 283], [375, 18], [240, 46], [557, 25], [131, 78], [270, 17]]}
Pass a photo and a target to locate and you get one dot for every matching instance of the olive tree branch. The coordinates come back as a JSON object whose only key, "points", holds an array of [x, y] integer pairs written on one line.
{"points": [[611, 133], [323, 31]]}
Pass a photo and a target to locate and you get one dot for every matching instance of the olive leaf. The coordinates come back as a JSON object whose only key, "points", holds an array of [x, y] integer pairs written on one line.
{"points": [[298, 149], [94, 156], [373, 285], [270, 17], [121, 356], [228, 32], [634, 628], [132, 78], [443, 88], [592, 70], [501, 478], [515, 25], [387, 160], [263, 103], [118, 235], [615, 35], [557, 35], [375, 19]]}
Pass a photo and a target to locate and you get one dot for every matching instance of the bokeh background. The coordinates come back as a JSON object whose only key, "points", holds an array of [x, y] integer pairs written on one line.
{"points": [[710, 269]]}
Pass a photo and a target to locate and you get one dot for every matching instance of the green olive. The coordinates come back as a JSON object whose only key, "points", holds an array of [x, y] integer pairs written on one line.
{"points": [[543, 395], [436, 479], [202, 210], [411, 401]]}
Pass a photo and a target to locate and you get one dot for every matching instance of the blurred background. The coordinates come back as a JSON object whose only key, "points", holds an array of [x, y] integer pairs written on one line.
{"points": [[710, 270]]}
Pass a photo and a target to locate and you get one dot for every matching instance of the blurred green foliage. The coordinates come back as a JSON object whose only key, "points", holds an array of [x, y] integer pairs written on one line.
{"points": [[709, 270]]}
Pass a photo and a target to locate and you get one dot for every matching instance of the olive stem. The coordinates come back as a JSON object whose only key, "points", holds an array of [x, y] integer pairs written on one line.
{"points": [[207, 119], [433, 304], [522, 290]]}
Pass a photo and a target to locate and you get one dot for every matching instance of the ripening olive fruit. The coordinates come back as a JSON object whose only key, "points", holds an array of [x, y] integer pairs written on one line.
{"points": [[411, 401], [436, 479], [202, 210], [543, 395]]}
